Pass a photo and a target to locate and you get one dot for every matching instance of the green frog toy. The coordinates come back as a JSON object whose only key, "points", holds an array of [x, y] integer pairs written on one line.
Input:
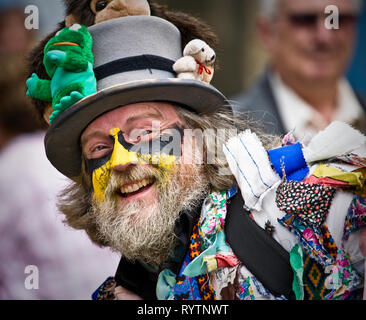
{"points": [[69, 62]]}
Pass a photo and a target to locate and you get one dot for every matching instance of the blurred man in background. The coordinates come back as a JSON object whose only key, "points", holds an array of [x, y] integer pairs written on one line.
{"points": [[40, 258], [304, 88]]}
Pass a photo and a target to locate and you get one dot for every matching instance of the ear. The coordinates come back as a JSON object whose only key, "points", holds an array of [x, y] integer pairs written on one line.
{"points": [[70, 20], [191, 49], [47, 113]]}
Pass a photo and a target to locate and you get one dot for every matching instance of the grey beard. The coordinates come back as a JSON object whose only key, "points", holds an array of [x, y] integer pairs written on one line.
{"points": [[146, 232]]}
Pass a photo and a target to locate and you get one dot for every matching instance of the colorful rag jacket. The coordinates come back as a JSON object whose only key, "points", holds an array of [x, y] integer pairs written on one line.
{"points": [[313, 209], [208, 269], [211, 271]]}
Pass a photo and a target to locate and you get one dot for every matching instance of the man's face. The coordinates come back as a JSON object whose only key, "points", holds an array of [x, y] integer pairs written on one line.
{"points": [[139, 183], [301, 46]]}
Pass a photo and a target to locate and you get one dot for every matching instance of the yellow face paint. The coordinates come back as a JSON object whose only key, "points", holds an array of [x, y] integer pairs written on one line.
{"points": [[122, 156]]}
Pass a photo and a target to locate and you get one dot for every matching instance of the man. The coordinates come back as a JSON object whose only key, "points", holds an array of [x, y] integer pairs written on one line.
{"points": [[305, 88], [147, 185]]}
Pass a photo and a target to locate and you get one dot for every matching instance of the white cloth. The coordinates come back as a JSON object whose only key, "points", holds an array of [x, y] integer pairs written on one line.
{"points": [[297, 113], [32, 231], [249, 163], [337, 139]]}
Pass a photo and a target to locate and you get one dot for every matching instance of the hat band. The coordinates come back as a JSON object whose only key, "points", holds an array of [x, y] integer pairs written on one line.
{"points": [[142, 62]]}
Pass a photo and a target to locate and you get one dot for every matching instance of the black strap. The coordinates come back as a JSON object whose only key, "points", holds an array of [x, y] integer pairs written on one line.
{"points": [[263, 256], [142, 62], [135, 278]]}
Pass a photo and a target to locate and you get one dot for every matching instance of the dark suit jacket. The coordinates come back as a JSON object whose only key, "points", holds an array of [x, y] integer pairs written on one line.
{"points": [[262, 106]]}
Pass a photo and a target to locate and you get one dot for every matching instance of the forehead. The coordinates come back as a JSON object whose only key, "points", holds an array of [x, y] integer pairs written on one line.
{"points": [[132, 115], [317, 5]]}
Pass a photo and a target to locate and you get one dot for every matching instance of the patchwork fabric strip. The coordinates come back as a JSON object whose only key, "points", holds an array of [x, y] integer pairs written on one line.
{"points": [[356, 217], [328, 241], [289, 161], [310, 203], [342, 173], [213, 217], [343, 280], [311, 240], [327, 182], [105, 290], [207, 250], [337, 281], [314, 279], [186, 288], [344, 140], [249, 163], [351, 159], [195, 288], [264, 292], [195, 249], [246, 291]]}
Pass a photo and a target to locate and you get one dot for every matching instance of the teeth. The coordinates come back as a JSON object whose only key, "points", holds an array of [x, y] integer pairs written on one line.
{"points": [[136, 186]]}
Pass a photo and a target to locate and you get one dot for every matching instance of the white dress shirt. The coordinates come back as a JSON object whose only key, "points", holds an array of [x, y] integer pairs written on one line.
{"points": [[307, 121]]}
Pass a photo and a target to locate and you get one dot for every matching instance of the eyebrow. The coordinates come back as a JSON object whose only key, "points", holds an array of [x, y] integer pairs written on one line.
{"points": [[155, 115]]}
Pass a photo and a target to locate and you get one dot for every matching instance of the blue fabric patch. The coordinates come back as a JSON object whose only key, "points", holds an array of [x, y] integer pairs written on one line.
{"points": [[186, 288], [291, 160], [232, 192], [96, 292]]}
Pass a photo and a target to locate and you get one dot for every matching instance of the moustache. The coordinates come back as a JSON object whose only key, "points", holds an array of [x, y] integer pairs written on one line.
{"points": [[137, 177]]}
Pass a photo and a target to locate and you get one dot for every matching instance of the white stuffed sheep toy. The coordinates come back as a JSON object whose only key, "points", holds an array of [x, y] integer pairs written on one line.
{"points": [[197, 62]]}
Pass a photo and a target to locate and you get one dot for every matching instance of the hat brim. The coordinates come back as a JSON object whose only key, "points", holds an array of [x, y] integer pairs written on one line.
{"points": [[62, 141]]}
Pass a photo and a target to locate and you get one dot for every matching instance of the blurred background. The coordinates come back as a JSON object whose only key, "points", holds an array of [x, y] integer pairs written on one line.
{"points": [[31, 229], [242, 57]]}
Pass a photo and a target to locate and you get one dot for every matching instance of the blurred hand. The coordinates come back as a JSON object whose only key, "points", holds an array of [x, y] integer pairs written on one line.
{"points": [[124, 294]]}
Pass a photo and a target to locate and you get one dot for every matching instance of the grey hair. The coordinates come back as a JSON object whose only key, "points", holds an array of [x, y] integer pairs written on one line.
{"points": [[269, 8]]}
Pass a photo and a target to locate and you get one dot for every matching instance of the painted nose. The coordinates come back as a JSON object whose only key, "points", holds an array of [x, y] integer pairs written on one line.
{"points": [[121, 157]]}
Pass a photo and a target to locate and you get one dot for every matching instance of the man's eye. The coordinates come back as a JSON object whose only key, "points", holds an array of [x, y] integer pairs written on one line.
{"points": [[146, 132], [100, 5], [99, 148], [138, 136]]}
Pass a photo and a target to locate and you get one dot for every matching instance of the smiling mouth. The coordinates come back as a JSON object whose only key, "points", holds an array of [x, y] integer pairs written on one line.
{"points": [[136, 187]]}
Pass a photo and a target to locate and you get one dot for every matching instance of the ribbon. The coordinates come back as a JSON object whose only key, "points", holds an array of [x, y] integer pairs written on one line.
{"points": [[203, 68]]}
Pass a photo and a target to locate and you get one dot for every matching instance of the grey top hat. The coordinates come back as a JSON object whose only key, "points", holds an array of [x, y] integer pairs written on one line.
{"points": [[133, 63]]}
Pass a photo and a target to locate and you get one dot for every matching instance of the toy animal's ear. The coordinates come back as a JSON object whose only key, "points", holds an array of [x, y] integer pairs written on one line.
{"points": [[193, 47], [190, 50], [70, 20]]}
